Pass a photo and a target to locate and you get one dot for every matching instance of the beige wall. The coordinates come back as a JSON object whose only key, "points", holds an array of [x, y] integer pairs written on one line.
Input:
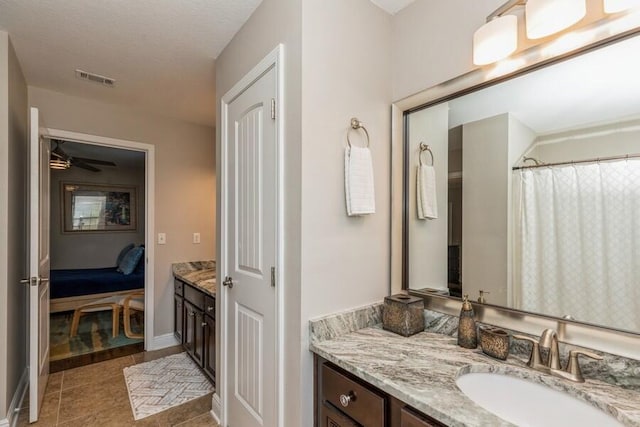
{"points": [[428, 238], [13, 227], [485, 207], [345, 73], [93, 250], [274, 22], [432, 42], [185, 178], [325, 250], [490, 148], [614, 139]]}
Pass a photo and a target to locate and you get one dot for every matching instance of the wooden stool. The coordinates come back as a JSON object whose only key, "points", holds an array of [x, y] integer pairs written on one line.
{"points": [[132, 304], [110, 303]]}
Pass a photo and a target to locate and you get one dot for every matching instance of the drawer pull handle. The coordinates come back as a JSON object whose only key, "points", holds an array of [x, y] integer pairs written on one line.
{"points": [[345, 399], [210, 308], [203, 324], [191, 314]]}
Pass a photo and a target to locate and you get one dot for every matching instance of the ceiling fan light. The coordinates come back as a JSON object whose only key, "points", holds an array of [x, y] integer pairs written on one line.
{"points": [[59, 164], [546, 17], [614, 6], [495, 40]]}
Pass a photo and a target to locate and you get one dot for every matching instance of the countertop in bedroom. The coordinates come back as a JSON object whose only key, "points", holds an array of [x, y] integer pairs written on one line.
{"points": [[200, 274]]}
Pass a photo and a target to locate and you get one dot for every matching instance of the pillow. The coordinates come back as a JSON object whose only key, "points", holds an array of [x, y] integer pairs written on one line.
{"points": [[123, 252], [140, 267], [130, 260]]}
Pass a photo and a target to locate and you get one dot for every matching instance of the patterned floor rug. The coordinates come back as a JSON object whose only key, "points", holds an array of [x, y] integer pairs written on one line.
{"points": [[94, 334], [163, 383]]}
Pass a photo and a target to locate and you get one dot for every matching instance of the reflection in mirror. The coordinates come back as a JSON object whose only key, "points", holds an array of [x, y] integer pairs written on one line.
{"points": [[537, 184]]}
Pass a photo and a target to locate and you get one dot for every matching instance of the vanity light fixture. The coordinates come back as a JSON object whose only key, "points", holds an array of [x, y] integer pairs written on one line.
{"points": [[614, 6], [495, 40], [498, 38], [547, 17]]}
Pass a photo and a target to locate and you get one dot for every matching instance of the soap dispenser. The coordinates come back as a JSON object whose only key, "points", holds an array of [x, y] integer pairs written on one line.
{"points": [[467, 332]]}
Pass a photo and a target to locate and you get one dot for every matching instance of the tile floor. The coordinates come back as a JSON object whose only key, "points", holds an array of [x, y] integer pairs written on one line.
{"points": [[96, 395]]}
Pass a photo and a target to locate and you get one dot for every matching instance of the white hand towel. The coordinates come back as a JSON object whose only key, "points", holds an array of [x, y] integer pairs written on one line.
{"points": [[358, 181], [426, 192]]}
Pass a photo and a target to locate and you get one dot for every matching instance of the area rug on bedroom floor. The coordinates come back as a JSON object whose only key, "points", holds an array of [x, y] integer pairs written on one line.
{"points": [[164, 383], [94, 334]]}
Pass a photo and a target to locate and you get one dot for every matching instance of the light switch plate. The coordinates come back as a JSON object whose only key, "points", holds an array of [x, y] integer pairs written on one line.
{"points": [[196, 237], [162, 238]]}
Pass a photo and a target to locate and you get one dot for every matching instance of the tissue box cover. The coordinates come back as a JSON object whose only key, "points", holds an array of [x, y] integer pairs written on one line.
{"points": [[403, 314]]}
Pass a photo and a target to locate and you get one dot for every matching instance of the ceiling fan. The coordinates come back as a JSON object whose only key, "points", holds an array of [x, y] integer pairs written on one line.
{"points": [[61, 160]]}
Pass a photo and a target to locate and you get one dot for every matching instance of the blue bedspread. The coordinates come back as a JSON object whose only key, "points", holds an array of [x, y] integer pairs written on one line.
{"points": [[71, 283]]}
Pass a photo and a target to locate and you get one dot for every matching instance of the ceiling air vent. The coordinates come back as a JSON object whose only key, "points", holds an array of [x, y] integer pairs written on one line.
{"points": [[96, 78]]}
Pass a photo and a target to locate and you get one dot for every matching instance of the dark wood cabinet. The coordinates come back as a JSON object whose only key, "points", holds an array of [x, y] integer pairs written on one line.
{"points": [[195, 325], [409, 418], [194, 332], [344, 400], [331, 417], [209, 361], [178, 317]]}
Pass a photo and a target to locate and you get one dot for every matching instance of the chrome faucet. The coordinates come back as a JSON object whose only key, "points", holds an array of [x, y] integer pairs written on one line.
{"points": [[549, 341]]}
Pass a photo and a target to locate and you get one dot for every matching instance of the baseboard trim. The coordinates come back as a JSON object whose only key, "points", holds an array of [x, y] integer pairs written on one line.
{"points": [[162, 341], [16, 401], [216, 408]]}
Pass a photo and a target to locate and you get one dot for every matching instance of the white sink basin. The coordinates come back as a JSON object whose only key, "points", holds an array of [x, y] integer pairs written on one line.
{"points": [[528, 404]]}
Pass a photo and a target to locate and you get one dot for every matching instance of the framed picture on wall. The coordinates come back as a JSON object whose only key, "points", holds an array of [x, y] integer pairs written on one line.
{"points": [[98, 208]]}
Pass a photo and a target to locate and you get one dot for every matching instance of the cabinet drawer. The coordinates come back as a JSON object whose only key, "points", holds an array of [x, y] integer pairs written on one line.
{"points": [[178, 287], [194, 296], [409, 418], [330, 417], [210, 306], [363, 405]]}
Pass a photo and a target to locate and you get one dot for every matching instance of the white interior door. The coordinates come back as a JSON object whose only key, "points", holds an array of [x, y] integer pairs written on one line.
{"points": [[38, 266], [251, 387]]}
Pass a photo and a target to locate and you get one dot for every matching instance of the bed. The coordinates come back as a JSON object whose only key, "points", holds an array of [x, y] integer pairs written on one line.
{"points": [[72, 288]]}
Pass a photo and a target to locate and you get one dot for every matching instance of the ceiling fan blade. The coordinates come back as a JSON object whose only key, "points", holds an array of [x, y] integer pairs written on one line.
{"points": [[94, 161], [59, 153], [81, 164]]}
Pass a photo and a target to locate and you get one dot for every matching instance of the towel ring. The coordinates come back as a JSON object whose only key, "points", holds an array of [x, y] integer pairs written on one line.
{"points": [[355, 125], [424, 147]]}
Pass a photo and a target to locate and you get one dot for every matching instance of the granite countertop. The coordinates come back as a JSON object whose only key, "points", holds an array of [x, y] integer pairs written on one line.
{"points": [[200, 274], [421, 370]]}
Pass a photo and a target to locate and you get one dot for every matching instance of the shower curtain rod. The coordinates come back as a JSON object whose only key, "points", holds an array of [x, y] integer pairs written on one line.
{"points": [[575, 162]]}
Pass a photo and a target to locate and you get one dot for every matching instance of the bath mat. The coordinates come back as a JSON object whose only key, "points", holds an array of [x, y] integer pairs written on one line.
{"points": [[94, 334], [164, 383]]}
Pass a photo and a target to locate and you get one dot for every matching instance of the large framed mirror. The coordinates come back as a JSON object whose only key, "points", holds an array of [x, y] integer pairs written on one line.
{"points": [[533, 184]]}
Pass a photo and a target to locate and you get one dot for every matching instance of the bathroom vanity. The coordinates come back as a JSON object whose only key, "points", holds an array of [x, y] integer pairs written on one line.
{"points": [[344, 400], [194, 312], [411, 381]]}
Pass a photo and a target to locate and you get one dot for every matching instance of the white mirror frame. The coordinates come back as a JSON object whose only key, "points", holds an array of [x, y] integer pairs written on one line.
{"points": [[609, 340]]}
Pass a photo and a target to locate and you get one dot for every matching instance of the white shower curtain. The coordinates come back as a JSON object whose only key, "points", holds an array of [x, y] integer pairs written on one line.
{"points": [[578, 242]]}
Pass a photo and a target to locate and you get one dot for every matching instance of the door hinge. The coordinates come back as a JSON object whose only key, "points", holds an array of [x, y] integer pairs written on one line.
{"points": [[273, 277], [273, 108]]}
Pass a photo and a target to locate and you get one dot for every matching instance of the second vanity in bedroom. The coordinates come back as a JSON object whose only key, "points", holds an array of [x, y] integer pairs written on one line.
{"points": [[194, 312]]}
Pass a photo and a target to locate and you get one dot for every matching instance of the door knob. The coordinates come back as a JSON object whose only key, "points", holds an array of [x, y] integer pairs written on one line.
{"points": [[228, 281]]}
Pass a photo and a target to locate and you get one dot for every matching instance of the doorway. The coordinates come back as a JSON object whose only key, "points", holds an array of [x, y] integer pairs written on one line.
{"points": [[101, 248]]}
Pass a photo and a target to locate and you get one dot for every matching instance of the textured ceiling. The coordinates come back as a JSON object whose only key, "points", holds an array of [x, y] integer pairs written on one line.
{"points": [[392, 6], [160, 52]]}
